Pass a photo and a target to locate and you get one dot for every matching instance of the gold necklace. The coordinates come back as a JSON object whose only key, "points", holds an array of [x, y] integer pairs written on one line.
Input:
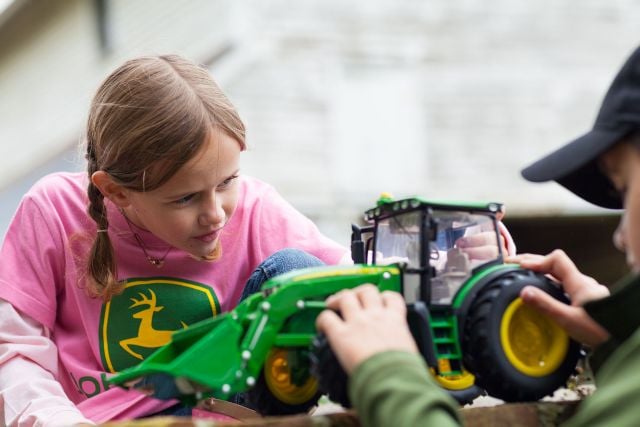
{"points": [[156, 262]]}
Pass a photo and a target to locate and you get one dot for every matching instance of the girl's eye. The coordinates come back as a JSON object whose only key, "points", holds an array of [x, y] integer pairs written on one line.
{"points": [[227, 182], [184, 200]]}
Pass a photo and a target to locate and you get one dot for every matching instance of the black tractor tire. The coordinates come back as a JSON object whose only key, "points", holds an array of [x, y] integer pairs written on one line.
{"points": [[332, 379], [464, 396], [263, 399], [511, 364]]}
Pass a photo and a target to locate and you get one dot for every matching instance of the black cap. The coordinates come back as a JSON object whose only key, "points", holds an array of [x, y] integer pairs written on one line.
{"points": [[574, 165]]}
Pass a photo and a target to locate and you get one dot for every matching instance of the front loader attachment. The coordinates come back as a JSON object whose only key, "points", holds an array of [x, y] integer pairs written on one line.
{"points": [[187, 366], [226, 354]]}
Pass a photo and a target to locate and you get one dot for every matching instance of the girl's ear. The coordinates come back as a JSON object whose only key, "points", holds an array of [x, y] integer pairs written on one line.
{"points": [[113, 191]]}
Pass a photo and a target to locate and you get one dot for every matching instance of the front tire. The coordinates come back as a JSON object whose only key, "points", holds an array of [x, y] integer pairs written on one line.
{"points": [[277, 393], [326, 368], [333, 379], [461, 387], [516, 353]]}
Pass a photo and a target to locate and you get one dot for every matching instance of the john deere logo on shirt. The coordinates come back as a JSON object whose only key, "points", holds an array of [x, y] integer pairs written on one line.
{"points": [[141, 319]]}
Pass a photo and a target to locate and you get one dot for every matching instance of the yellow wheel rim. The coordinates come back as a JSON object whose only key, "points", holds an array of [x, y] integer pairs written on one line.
{"points": [[533, 343], [455, 382], [277, 375]]}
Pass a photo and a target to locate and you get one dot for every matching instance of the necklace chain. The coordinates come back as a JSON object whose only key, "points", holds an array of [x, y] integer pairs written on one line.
{"points": [[156, 262]]}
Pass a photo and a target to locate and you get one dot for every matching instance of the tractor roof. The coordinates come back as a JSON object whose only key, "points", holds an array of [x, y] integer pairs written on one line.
{"points": [[387, 206]]}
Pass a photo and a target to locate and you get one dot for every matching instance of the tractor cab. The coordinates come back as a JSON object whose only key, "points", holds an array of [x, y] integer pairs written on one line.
{"points": [[438, 246]]}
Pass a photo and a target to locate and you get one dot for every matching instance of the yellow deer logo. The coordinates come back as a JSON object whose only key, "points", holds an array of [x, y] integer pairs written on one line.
{"points": [[147, 337]]}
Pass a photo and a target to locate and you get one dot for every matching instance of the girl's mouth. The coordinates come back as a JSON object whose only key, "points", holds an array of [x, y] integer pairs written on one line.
{"points": [[209, 237]]}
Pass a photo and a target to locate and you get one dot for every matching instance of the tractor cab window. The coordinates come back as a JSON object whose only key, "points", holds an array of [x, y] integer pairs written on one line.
{"points": [[463, 242], [398, 240]]}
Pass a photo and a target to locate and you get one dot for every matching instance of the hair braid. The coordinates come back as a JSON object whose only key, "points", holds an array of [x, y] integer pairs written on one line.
{"points": [[101, 262]]}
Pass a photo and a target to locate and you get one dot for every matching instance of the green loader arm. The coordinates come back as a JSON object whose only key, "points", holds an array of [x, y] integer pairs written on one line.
{"points": [[224, 355]]}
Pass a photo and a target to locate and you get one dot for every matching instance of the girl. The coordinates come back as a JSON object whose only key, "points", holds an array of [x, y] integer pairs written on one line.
{"points": [[98, 269]]}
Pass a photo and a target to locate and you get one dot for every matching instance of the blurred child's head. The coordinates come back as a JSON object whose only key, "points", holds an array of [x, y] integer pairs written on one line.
{"points": [[160, 128], [621, 164], [603, 166]]}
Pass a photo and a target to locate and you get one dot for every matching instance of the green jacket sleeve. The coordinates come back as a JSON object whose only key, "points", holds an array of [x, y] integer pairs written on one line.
{"points": [[616, 400], [396, 389], [617, 314]]}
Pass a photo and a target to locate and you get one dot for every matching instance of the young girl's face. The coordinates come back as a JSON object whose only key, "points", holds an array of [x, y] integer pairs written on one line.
{"points": [[622, 165], [190, 210]]}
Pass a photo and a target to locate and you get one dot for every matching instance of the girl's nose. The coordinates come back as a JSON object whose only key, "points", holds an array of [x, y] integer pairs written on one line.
{"points": [[213, 212]]}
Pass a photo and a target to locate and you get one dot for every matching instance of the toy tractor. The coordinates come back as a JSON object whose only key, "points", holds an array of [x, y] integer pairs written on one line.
{"points": [[464, 312]]}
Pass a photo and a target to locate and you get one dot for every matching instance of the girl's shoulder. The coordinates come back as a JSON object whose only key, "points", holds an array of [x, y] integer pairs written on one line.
{"points": [[258, 197], [57, 201], [60, 187], [254, 189], [252, 184]]}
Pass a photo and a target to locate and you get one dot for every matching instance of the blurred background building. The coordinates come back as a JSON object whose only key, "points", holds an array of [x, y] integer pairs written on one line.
{"points": [[344, 100]]}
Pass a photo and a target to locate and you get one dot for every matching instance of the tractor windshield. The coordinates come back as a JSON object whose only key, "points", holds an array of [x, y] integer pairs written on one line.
{"points": [[398, 239], [463, 242]]}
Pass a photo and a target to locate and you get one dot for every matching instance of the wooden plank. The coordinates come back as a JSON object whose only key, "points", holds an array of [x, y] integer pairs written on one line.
{"points": [[539, 414]]}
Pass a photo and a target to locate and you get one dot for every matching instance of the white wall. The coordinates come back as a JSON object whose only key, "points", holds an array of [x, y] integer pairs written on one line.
{"points": [[344, 100]]}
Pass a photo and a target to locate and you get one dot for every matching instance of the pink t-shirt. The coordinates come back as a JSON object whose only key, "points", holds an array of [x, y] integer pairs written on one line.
{"points": [[42, 274]]}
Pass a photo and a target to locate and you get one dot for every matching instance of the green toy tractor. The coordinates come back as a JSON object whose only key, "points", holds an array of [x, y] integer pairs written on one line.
{"points": [[464, 312]]}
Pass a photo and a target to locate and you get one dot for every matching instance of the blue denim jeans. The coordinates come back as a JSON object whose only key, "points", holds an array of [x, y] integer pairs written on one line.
{"points": [[281, 262]]}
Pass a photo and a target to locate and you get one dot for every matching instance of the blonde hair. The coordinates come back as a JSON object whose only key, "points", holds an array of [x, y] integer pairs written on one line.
{"points": [[148, 118]]}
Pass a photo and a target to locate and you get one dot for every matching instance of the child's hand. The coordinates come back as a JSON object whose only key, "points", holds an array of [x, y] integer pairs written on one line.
{"points": [[372, 322], [481, 246], [580, 288]]}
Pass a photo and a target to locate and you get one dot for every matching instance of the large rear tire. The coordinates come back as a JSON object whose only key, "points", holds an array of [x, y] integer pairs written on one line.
{"points": [[276, 392], [516, 353]]}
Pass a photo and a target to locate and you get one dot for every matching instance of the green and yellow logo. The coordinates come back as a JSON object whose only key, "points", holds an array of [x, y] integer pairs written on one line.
{"points": [[142, 318]]}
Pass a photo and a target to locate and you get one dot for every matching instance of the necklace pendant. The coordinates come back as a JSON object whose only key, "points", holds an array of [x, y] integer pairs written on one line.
{"points": [[158, 263]]}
